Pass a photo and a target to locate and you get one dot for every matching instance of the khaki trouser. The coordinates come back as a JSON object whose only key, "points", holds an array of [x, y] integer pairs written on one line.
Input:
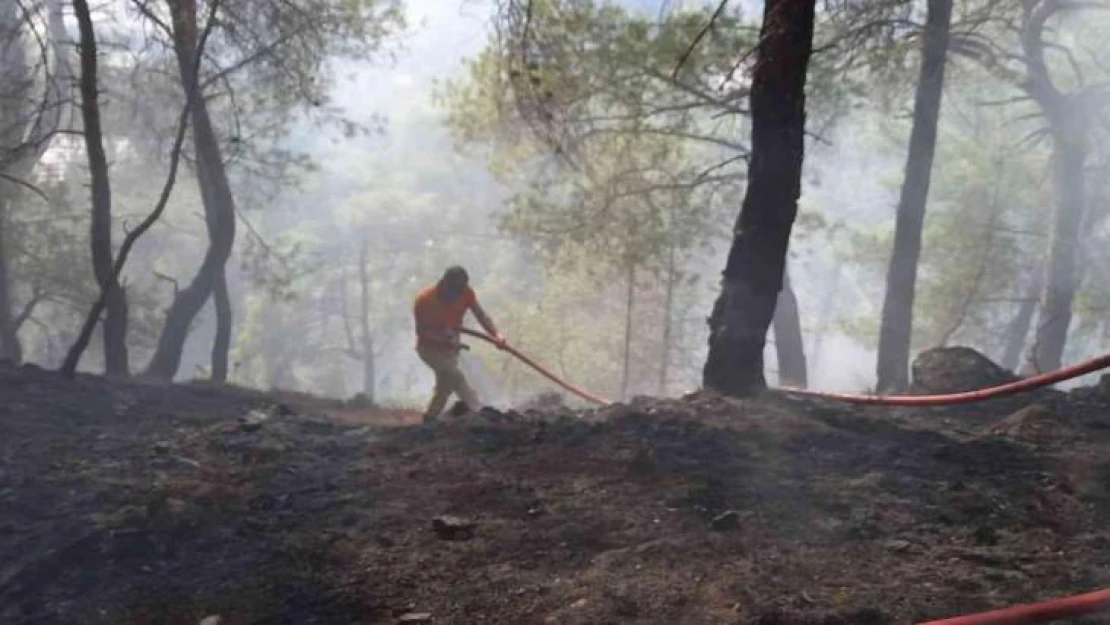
{"points": [[449, 379]]}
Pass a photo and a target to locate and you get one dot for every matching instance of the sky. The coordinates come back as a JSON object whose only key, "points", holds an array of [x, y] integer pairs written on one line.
{"points": [[442, 33]]}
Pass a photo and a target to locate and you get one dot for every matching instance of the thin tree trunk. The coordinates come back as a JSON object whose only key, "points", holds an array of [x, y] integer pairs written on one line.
{"points": [[1061, 276], [221, 346], [1018, 331], [668, 320], [219, 205], [896, 328], [115, 319], [368, 369], [756, 263], [628, 305], [10, 347], [788, 338], [221, 300]]}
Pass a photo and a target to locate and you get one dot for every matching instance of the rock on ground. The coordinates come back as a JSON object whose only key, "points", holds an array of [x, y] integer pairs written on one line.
{"points": [[955, 370]]}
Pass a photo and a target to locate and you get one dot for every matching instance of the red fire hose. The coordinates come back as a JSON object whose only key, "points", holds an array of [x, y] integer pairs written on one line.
{"points": [[967, 397], [538, 367], [1042, 612], [1011, 388]]}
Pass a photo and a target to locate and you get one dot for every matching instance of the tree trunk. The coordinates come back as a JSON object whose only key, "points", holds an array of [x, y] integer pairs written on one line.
{"points": [[1067, 118], [668, 320], [896, 329], [221, 301], [221, 346], [369, 377], [1018, 331], [10, 347], [756, 263], [628, 305], [100, 237], [1061, 277], [788, 338], [368, 369], [13, 71], [219, 205]]}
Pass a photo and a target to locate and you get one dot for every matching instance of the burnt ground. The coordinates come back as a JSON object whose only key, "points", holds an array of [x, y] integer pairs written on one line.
{"points": [[142, 503]]}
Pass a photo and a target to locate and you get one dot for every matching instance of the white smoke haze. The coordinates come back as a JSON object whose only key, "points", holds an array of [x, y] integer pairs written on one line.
{"points": [[418, 201]]}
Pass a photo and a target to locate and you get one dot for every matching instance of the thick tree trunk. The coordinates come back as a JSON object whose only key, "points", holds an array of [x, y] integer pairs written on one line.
{"points": [[756, 262], [368, 369], [788, 338], [13, 70], [100, 237], [896, 329], [116, 361], [10, 347], [221, 346], [630, 294], [1061, 277], [219, 205], [1018, 331], [668, 321]]}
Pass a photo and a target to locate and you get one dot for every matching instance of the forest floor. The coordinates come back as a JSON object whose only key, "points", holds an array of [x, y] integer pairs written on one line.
{"points": [[142, 503]]}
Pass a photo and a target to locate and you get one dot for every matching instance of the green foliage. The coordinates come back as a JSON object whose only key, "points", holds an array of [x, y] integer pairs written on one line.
{"points": [[582, 73]]}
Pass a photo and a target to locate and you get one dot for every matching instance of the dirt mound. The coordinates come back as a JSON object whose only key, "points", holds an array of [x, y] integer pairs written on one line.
{"points": [[124, 503], [1035, 425], [550, 403], [1099, 392]]}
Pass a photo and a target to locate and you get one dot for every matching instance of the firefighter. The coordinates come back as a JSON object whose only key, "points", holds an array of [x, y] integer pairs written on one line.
{"points": [[439, 312]]}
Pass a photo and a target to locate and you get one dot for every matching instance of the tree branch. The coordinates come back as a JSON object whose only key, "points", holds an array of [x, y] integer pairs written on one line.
{"points": [[145, 10], [697, 39], [28, 308], [23, 183], [668, 132]]}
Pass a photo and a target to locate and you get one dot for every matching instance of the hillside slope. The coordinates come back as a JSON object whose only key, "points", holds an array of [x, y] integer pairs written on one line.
{"points": [[140, 503]]}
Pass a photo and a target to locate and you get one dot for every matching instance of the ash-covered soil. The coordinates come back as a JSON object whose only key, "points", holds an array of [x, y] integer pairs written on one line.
{"points": [[141, 503]]}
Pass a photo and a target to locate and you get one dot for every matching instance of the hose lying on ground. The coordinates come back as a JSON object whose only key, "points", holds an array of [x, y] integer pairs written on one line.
{"points": [[967, 397], [1042, 612]]}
